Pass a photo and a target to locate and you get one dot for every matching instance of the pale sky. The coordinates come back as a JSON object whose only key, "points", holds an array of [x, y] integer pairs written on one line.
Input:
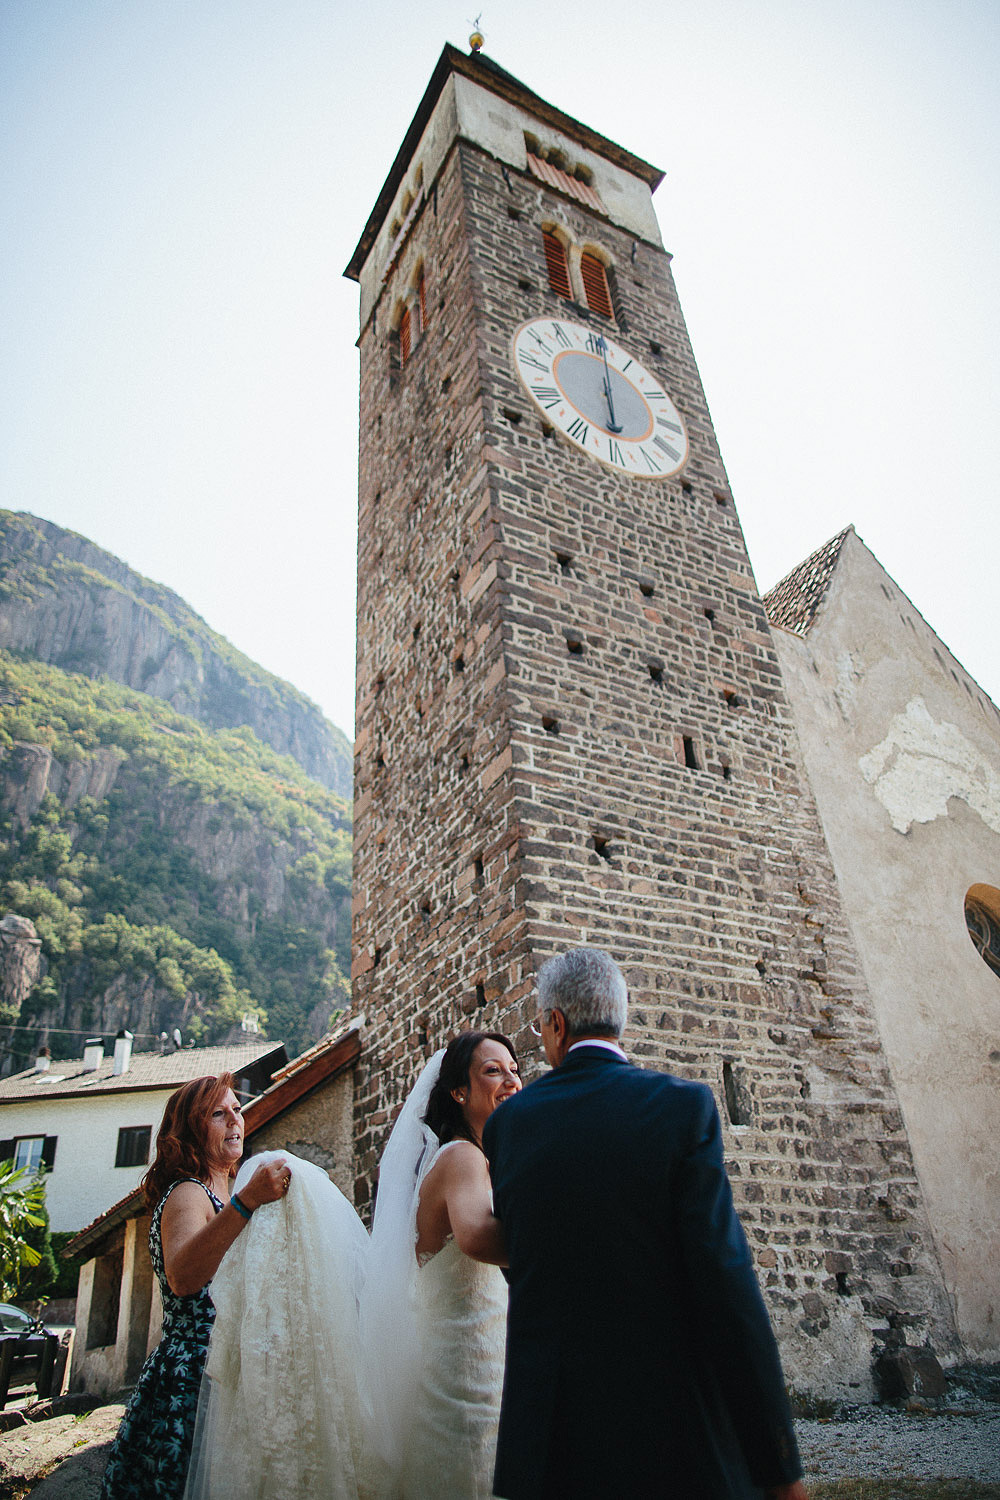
{"points": [[183, 182]]}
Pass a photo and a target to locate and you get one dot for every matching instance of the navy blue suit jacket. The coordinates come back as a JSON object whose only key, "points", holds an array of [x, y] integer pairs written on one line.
{"points": [[640, 1356]]}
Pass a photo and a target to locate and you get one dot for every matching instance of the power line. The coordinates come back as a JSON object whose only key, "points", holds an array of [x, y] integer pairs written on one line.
{"points": [[74, 1031]]}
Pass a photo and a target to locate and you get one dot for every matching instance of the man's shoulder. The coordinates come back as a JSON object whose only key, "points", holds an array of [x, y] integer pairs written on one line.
{"points": [[616, 1072], [686, 1093]]}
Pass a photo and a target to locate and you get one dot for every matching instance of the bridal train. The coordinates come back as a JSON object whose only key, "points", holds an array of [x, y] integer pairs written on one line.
{"points": [[280, 1411], [340, 1366]]}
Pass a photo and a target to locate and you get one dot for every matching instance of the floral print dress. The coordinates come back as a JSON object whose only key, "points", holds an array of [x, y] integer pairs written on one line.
{"points": [[150, 1456]]}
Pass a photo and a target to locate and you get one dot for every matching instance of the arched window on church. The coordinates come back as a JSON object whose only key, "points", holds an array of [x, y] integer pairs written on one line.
{"points": [[982, 918], [557, 264], [405, 336], [595, 284], [421, 300], [411, 321]]}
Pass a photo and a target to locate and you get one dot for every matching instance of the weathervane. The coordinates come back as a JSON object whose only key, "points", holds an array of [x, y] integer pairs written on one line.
{"points": [[477, 39]]}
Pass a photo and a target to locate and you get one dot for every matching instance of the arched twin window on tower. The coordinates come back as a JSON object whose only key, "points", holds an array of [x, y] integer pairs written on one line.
{"points": [[409, 321], [578, 274]]}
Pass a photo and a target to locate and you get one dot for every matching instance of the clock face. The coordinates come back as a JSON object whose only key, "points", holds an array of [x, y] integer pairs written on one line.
{"points": [[601, 398]]}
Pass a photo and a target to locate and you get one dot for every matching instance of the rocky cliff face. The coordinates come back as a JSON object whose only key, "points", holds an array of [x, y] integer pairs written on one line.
{"points": [[20, 963], [67, 602], [155, 873]]}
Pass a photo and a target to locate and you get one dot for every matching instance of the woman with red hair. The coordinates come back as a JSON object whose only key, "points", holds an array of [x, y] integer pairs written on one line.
{"points": [[195, 1220]]}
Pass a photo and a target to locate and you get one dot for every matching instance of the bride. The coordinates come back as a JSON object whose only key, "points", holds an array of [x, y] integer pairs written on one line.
{"points": [[345, 1367], [433, 1318]]}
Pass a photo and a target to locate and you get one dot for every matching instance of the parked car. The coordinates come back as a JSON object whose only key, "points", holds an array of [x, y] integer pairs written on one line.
{"points": [[17, 1325], [16, 1320]]}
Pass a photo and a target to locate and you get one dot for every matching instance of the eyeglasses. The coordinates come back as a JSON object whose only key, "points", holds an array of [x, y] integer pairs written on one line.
{"points": [[536, 1025]]}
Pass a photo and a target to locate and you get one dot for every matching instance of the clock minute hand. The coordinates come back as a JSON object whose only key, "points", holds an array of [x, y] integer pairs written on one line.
{"points": [[613, 426]]}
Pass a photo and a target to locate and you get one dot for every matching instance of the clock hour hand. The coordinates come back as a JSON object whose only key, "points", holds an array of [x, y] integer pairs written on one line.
{"points": [[613, 426]]}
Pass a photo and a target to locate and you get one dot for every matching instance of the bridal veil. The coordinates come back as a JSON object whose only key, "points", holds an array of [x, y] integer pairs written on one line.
{"points": [[279, 1412], [390, 1339]]}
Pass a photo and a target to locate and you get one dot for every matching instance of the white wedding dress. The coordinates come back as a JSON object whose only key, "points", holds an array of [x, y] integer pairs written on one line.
{"points": [[432, 1335], [461, 1323], [339, 1369]]}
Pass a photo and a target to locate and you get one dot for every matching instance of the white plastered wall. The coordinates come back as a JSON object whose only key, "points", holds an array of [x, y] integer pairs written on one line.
{"points": [[903, 753]]}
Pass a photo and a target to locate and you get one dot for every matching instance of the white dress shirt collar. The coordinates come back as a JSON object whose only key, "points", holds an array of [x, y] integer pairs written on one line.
{"points": [[599, 1041]]}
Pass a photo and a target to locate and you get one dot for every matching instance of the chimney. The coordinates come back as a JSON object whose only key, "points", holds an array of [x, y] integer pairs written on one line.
{"points": [[93, 1054], [43, 1060], [123, 1053]]}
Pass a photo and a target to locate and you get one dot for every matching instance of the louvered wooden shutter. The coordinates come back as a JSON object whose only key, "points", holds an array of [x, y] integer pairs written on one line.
{"points": [[557, 264], [422, 298], [7, 1150], [404, 336], [595, 285]]}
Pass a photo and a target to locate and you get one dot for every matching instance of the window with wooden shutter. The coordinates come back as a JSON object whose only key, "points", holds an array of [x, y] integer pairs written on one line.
{"points": [[557, 264], [422, 302], [595, 285], [133, 1145], [405, 336], [28, 1152]]}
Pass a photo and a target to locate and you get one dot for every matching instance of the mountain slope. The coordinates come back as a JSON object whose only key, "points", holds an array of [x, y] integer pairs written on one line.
{"points": [[176, 875], [67, 602]]}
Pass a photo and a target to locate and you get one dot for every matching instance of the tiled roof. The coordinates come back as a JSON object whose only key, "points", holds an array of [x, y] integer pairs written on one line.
{"points": [[147, 1070], [794, 601]]}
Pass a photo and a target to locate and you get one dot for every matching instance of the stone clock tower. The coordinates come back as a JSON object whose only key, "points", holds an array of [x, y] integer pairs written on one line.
{"points": [[571, 724]]}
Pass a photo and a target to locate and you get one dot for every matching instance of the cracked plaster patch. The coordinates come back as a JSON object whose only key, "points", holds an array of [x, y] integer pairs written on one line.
{"points": [[922, 763]]}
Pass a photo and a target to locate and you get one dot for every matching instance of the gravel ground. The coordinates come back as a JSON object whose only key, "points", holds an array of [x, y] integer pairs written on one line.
{"points": [[957, 1442], [958, 1439]]}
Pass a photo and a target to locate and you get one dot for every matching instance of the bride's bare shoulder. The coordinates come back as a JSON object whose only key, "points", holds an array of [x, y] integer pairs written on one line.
{"points": [[455, 1159]]}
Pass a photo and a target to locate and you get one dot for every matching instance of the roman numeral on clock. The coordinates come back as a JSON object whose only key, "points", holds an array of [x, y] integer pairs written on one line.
{"points": [[547, 395], [665, 447], [616, 455], [651, 463], [670, 426], [559, 334], [578, 429], [527, 358]]}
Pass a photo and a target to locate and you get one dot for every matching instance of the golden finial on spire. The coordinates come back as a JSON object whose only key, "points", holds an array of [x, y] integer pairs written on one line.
{"points": [[477, 39]]}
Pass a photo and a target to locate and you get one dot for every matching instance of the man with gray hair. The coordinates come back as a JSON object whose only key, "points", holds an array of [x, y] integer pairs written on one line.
{"points": [[640, 1357]]}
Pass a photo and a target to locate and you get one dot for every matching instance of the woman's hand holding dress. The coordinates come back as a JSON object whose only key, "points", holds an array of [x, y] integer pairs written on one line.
{"points": [[195, 1237]]}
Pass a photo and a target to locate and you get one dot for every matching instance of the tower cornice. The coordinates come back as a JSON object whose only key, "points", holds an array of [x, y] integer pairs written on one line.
{"points": [[483, 71]]}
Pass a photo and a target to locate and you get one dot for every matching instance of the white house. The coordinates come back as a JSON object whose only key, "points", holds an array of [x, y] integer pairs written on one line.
{"points": [[93, 1121]]}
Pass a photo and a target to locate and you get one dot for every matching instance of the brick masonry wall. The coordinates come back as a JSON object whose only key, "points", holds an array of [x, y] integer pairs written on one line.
{"points": [[439, 926], [515, 798]]}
